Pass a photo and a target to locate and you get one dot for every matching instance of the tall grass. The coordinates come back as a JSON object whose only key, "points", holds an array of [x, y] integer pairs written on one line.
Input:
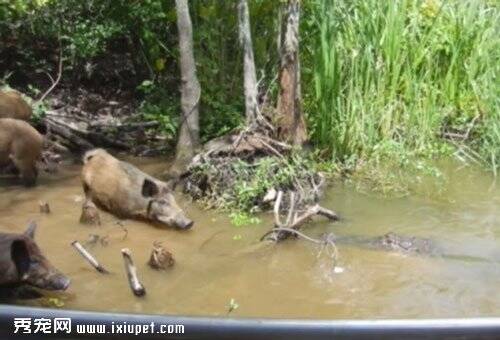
{"points": [[391, 77]]}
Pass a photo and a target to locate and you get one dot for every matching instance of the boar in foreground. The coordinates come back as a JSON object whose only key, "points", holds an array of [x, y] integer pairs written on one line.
{"points": [[20, 146], [22, 263], [127, 192], [12, 105]]}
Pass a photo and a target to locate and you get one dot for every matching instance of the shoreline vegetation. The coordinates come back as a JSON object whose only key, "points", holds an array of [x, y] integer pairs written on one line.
{"points": [[389, 88]]}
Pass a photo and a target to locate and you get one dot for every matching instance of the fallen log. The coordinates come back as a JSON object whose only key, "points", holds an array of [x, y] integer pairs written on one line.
{"points": [[80, 139], [67, 134], [126, 126]]}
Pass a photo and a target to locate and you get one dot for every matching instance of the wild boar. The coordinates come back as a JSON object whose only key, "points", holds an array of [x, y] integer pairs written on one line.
{"points": [[12, 105], [126, 191], [22, 262], [21, 146]]}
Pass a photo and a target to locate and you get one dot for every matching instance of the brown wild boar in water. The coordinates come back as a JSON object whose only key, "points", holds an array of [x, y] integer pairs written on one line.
{"points": [[12, 105], [21, 146], [22, 263], [127, 192]]}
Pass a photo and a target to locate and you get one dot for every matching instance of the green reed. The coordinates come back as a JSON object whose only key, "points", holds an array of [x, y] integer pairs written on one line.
{"points": [[402, 75]]}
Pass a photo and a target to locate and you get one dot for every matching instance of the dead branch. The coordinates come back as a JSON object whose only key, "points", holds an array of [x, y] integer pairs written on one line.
{"points": [[58, 78], [293, 220], [293, 231], [327, 241], [291, 211]]}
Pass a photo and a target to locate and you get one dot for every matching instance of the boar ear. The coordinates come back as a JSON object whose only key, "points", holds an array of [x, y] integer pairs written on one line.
{"points": [[30, 231], [20, 256], [149, 188], [171, 184]]}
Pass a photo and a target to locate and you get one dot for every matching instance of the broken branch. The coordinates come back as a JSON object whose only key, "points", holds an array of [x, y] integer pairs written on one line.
{"points": [[54, 82], [280, 231]]}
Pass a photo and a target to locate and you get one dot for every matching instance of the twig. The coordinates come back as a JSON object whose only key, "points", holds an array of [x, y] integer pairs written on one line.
{"points": [[270, 148], [87, 256], [136, 286], [59, 74]]}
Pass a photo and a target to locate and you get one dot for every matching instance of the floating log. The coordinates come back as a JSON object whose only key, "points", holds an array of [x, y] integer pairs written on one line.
{"points": [[136, 286], [87, 256]]}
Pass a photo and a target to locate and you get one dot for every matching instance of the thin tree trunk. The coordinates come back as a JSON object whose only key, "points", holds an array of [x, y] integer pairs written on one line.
{"points": [[189, 139], [250, 79], [291, 123]]}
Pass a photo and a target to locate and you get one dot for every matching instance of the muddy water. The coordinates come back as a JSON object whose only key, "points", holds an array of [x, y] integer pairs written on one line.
{"points": [[288, 280]]}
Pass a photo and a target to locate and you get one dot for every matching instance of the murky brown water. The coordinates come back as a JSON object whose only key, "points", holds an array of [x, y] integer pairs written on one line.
{"points": [[287, 280]]}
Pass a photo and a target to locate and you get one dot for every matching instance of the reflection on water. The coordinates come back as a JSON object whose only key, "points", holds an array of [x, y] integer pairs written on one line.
{"points": [[217, 262]]}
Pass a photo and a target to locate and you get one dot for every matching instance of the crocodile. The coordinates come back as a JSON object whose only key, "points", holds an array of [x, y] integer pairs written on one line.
{"points": [[397, 243]]}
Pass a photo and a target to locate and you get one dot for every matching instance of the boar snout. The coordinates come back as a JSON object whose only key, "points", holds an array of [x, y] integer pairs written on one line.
{"points": [[184, 223], [178, 221], [32, 266], [56, 281]]}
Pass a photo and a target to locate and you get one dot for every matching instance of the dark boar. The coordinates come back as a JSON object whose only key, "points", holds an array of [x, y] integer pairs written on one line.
{"points": [[126, 191], [22, 262], [12, 105], [21, 146]]}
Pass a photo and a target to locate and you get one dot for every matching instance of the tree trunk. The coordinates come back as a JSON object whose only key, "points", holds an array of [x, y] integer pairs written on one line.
{"points": [[189, 139], [250, 79], [290, 120]]}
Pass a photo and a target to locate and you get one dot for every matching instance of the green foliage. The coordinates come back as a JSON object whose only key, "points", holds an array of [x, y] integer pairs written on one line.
{"points": [[382, 81], [158, 107], [394, 75], [240, 218], [220, 60]]}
